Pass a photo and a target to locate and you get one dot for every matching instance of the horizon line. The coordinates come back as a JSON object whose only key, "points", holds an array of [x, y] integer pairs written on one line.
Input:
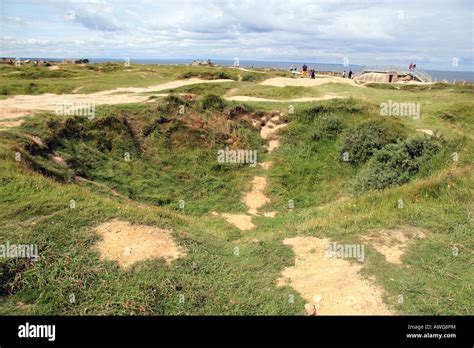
{"points": [[241, 60]]}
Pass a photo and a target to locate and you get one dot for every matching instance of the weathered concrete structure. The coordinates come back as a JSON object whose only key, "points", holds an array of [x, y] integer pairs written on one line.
{"points": [[391, 74]]}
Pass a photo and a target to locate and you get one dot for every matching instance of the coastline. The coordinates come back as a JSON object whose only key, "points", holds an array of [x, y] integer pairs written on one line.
{"points": [[439, 75]]}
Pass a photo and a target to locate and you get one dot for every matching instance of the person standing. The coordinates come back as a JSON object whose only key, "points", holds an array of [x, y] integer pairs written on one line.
{"points": [[350, 74], [344, 74], [304, 70]]}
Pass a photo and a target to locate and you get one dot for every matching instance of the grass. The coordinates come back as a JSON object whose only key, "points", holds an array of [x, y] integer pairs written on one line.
{"points": [[28, 79], [173, 157]]}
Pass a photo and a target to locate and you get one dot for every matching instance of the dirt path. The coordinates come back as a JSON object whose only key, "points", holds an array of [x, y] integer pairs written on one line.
{"points": [[245, 98], [256, 198], [269, 132], [23, 105], [330, 285], [254, 71], [304, 82]]}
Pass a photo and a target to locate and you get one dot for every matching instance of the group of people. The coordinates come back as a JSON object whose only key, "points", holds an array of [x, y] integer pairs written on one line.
{"points": [[305, 72], [349, 75]]}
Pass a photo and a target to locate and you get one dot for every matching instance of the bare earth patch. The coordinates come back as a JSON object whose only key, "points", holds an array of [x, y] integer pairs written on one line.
{"points": [[332, 286], [319, 80], [244, 98], [22, 105], [59, 161], [127, 244], [392, 243], [10, 124], [269, 132], [256, 198], [265, 165], [241, 221], [77, 89], [426, 131]]}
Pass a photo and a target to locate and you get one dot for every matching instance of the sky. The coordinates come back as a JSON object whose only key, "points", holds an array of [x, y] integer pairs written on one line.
{"points": [[435, 34]]}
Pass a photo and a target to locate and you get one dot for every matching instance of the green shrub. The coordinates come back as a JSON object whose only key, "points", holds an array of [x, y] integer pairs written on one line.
{"points": [[171, 104], [363, 141], [207, 75], [250, 78], [223, 75], [395, 164], [212, 101], [336, 106], [327, 127]]}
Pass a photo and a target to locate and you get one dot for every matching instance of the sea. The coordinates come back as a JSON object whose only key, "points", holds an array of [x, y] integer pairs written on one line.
{"points": [[437, 75]]}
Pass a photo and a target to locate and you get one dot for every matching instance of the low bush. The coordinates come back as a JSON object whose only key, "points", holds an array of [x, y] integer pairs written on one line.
{"points": [[207, 75], [251, 77], [395, 164], [327, 127], [212, 101], [367, 138]]}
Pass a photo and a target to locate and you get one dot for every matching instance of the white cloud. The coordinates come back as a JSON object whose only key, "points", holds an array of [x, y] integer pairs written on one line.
{"points": [[326, 31]]}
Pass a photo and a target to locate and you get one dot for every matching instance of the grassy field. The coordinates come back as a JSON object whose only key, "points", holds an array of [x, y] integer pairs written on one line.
{"points": [[172, 157], [29, 79]]}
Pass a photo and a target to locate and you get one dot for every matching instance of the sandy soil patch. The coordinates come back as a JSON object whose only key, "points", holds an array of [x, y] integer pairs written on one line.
{"points": [[59, 161], [10, 124], [127, 244], [268, 132], [231, 92], [392, 243], [254, 71], [332, 286], [256, 198], [271, 127], [53, 67], [77, 89], [265, 165], [9, 113], [245, 98], [426, 131], [241, 221], [303, 82], [272, 145]]}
